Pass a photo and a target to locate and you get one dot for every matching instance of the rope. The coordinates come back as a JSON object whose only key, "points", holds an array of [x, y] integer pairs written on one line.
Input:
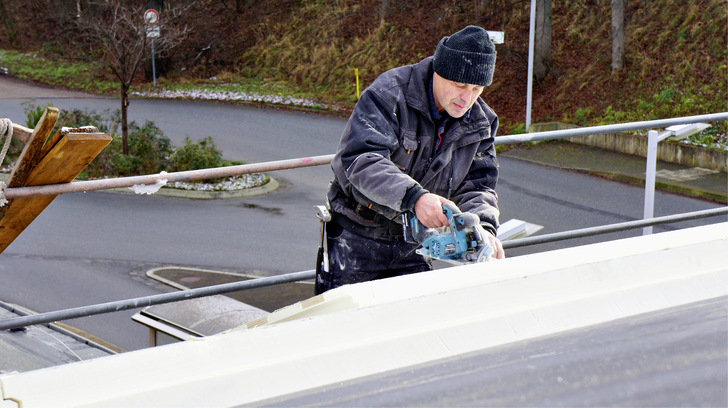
{"points": [[6, 131]]}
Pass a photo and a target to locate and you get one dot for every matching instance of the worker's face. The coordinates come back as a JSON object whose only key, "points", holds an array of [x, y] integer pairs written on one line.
{"points": [[454, 97]]}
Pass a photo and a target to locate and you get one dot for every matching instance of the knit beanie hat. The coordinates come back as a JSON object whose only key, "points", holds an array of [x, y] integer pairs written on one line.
{"points": [[467, 57]]}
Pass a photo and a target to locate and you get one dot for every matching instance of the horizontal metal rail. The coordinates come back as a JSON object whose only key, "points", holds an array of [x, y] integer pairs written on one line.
{"points": [[49, 317], [60, 329], [605, 229], [150, 179], [42, 318], [620, 127], [202, 174], [219, 172]]}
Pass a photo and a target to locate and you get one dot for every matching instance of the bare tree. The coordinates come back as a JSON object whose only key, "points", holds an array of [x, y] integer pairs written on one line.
{"points": [[618, 35], [542, 45], [117, 33], [384, 8]]}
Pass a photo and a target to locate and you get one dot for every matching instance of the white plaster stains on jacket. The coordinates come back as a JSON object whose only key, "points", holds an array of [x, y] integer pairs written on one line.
{"points": [[372, 166]]}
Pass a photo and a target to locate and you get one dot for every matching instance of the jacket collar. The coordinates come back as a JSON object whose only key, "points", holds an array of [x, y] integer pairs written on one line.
{"points": [[417, 93]]}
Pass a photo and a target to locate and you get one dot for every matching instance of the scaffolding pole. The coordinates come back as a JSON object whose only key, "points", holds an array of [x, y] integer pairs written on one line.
{"points": [[605, 229], [145, 301], [229, 171], [83, 311], [190, 175]]}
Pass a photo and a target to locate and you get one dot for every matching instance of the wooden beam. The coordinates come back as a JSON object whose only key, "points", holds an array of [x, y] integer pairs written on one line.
{"points": [[61, 165], [31, 154], [62, 132], [21, 133]]}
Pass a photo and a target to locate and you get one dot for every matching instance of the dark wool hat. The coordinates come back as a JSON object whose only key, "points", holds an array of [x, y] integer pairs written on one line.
{"points": [[467, 56]]}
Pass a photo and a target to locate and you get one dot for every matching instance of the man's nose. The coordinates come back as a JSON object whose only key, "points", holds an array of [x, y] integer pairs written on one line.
{"points": [[465, 97]]}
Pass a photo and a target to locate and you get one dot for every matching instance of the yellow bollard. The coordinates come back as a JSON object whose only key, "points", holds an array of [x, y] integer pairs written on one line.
{"points": [[356, 72]]}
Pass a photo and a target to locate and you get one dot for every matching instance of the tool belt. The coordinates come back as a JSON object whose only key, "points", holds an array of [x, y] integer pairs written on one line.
{"points": [[391, 232], [362, 220]]}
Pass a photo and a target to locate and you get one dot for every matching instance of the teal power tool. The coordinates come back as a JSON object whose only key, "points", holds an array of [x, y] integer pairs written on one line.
{"points": [[463, 240]]}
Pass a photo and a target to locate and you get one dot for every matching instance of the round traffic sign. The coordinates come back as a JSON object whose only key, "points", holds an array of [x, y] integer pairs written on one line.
{"points": [[151, 16]]}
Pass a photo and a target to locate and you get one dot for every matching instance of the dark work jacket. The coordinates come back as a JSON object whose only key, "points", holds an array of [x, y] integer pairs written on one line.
{"points": [[385, 156]]}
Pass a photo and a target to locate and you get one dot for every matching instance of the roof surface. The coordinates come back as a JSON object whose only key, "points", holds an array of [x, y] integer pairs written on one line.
{"points": [[637, 321], [673, 357], [41, 346]]}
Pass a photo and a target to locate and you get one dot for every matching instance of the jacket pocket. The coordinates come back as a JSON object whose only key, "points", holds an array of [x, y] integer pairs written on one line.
{"points": [[407, 150]]}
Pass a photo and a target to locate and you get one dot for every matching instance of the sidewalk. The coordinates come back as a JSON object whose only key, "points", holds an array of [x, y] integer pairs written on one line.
{"points": [[691, 181]]}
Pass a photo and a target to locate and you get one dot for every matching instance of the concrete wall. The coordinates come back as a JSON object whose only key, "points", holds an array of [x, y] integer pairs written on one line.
{"points": [[667, 151]]}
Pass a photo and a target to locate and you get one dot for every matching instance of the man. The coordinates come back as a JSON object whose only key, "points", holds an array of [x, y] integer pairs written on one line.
{"points": [[419, 136]]}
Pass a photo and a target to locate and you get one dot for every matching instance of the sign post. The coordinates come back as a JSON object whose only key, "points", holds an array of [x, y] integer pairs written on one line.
{"points": [[151, 17]]}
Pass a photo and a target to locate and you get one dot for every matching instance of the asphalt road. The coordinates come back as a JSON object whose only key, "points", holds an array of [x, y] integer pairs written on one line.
{"points": [[95, 247]]}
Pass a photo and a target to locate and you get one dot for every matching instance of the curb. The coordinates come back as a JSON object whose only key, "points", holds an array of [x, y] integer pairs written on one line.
{"points": [[268, 187]]}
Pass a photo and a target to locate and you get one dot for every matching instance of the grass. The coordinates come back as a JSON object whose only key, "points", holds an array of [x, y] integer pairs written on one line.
{"points": [[67, 73], [675, 65]]}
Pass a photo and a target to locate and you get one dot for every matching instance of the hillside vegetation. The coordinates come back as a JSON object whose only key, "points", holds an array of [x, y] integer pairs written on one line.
{"points": [[676, 53]]}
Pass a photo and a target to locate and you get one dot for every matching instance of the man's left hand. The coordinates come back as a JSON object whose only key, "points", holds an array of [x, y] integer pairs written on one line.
{"points": [[498, 252]]}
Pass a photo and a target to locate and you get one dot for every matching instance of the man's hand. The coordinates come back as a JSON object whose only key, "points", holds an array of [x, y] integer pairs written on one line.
{"points": [[498, 252], [428, 210]]}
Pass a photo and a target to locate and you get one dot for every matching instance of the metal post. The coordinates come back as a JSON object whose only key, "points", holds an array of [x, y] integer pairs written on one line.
{"points": [[653, 137], [650, 178], [154, 70], [531, 39]]}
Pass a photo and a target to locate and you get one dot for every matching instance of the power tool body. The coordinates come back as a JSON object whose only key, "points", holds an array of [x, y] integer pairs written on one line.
{"points": [[463, 240]]}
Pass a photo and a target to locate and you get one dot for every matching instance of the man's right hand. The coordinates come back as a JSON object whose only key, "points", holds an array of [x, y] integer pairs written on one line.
{"points": [[428, 210]]}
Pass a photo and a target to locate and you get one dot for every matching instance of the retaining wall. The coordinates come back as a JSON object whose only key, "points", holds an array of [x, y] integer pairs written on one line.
{"points": [[667, 150]]}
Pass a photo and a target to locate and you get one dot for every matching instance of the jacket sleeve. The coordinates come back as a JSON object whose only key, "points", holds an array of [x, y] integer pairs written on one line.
{"points": [[476, 194], [362, 164]]}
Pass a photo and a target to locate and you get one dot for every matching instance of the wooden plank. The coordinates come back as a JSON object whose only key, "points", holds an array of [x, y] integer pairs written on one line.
{"points": [[31, 154], [51, 142], [61, 165], [22, 133], [62, 132]]}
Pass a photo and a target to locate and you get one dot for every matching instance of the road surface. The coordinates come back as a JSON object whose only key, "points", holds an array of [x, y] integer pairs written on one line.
{"points": [[89, 248]]}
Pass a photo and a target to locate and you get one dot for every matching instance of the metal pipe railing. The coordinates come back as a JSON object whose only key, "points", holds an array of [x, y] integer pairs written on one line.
{"points": [[104, 184], [189, 175], [49, 317], [605, 229], [144, 301], [60, 329], [202, 174], [620, 127]]}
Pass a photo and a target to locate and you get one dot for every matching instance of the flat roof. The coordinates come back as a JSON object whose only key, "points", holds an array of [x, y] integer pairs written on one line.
{"points": [[41, 346], [673, 357], [612, 323]]}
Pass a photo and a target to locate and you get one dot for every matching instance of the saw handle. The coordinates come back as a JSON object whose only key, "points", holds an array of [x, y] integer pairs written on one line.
{"points": [[459, 220]]}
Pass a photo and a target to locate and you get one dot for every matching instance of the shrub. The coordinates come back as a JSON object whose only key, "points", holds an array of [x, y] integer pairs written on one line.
{"points": [[33, 114], [148, 153], [150, 146], [202, 154], [195, 155]]}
